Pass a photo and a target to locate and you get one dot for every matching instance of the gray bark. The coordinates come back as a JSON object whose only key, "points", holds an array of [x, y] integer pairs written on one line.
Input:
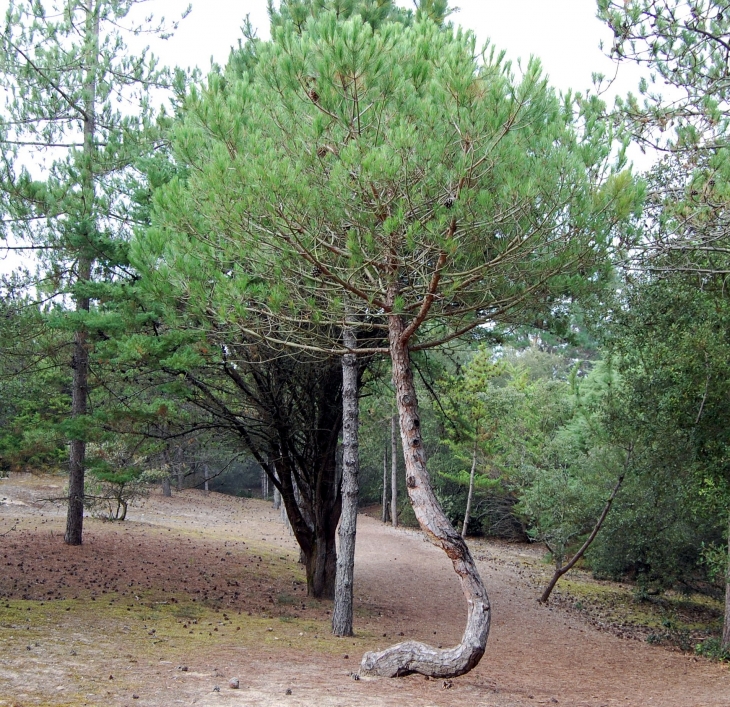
{"points": [[206, 476], [179, 465], [285, 520], [394, 470], [277, 493], [167, 479], [411, 656], [344, 580], [467, 513], [80, 361]]}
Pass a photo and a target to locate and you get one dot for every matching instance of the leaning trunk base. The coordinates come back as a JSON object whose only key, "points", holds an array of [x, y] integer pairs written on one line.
{"points": [[414, 657]]}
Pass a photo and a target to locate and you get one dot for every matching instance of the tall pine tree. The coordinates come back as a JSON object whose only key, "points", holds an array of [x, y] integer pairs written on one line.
{"points": [[76, 119]]}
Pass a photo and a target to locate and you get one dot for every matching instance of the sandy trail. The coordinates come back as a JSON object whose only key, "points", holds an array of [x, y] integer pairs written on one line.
{"points": [[535, 655]]}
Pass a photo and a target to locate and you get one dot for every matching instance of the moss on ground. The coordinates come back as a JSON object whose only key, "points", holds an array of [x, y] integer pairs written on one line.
{"points": [[669, 618]]}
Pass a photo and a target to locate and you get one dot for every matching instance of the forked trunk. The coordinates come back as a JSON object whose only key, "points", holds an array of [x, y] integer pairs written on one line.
{"points": [[411, 656], [342, 610], [123, 506]]}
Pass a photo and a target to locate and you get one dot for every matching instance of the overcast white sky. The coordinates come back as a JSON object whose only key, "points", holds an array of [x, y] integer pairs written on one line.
{"points": [[564, 34]]}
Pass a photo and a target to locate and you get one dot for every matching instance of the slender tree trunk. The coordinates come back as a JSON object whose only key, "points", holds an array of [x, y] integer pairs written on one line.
{"points": [[467, 513], [264, 484], [167, 479], [77, 452], [206, 476], [411, 656], [180, 468], [277, 499], [87, 227], [725, 644], [385, 486], [394, 471], [344, 582], [561, 570], [287, 524]]}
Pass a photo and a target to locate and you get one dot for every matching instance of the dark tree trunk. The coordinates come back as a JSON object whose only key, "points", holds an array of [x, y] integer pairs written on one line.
{"points": [[411, 656], [321, 565], [288, 415], [342, 611], [77, 452], [166, 487]]}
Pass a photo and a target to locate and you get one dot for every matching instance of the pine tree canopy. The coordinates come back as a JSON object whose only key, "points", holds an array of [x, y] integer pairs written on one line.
{"points": [[390, 171]]}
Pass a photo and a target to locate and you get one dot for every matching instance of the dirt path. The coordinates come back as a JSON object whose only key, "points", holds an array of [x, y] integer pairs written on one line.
{"points": [[534, 652], [210, 584]]}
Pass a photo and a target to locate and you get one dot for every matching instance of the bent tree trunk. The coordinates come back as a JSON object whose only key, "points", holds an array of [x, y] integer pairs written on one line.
{"points": [[411, 656], [344, 582]]}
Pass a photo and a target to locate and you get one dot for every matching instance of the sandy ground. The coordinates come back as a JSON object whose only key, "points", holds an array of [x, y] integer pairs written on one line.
{"points": [[194, 590]]}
